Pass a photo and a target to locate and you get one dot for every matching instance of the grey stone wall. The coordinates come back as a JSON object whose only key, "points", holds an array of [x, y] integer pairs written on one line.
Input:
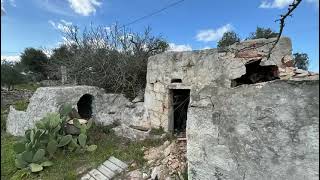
{"points": [[106, 108], [263, 131], [10, 97], [259, 131], [198, 69]]}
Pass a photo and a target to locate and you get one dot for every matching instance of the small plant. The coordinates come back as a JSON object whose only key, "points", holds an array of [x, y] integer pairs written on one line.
{"points": [[157, 131], [82, 138], [21, 105], [40, 144], [31, 152]]}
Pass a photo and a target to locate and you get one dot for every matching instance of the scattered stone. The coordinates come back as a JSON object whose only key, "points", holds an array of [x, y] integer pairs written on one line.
{"points": [[133, 165], [130, 133], [145, 176], [135, 175], [81, 121]]}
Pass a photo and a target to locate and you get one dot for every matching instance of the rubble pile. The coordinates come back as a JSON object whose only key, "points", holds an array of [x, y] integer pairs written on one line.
{"points": [[165, 162]]}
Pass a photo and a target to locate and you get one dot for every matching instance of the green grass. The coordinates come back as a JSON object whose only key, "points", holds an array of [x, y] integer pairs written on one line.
{"points": [[27, 86], [157, 131], [4, 114], [21, 105], [66, 164]]}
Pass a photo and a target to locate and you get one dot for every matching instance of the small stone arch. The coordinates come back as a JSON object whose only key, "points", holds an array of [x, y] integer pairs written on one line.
{"points": [[84, 106]]}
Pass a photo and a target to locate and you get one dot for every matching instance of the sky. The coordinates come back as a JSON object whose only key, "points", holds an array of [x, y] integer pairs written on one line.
{"points": [[189, 25]]}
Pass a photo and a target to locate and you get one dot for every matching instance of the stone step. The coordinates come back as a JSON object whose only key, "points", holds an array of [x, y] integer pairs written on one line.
{"points": [[112, 166], [97, 175], [118, 162], [106, 171], [86, 177]]}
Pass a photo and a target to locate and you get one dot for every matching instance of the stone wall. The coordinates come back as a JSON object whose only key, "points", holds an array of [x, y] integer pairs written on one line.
{"points": [[10, 97], [198, 69], [263, 131], [106, 108]]}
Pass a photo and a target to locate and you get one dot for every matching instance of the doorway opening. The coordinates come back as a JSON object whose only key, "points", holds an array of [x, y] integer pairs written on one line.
{"points": [[85, 106], [179, 108]]}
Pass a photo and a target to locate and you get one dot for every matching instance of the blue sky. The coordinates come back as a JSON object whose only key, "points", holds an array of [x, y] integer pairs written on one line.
{"points": [[189, 25]]}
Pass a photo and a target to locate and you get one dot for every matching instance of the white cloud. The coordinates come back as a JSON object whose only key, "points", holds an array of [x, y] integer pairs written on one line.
{"points": [[62, 26], [84, 7], [181, 47], [3, 12], [213, 34], [280, 4], [10, 58], [275, 4]]}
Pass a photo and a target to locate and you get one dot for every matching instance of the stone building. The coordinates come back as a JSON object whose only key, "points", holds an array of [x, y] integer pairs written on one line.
{"points": [[246, 116]]}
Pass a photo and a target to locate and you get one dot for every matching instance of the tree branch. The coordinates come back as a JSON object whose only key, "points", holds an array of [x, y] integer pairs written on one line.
{"points": [[292, 7]]}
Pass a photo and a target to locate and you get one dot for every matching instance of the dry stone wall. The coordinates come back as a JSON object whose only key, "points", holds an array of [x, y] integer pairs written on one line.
{"points": [[198, 69], [263, 131], [106, 108], [10, 97]]}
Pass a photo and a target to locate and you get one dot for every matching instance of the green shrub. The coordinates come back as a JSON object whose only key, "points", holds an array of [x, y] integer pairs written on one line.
{"points": [[21, 105], [157, 131], [40, 144], [27, 86], [4, 114]]}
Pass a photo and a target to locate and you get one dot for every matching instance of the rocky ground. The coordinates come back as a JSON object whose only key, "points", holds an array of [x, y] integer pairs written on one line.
{"points": [[164, 162]]}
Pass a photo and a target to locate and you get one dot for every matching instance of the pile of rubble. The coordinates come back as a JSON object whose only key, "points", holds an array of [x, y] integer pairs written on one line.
{"points": [[287, 73], [165, 162]]}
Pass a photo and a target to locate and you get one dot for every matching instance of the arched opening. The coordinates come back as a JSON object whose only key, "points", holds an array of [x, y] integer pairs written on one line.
{"points": [[85, 106]]}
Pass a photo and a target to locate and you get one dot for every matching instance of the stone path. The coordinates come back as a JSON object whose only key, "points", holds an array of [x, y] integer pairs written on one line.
{"points": [[106, 170]]}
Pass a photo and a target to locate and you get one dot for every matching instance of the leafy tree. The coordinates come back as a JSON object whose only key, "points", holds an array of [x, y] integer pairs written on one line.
{"points": [[34, 60], [10, 76], [228, 39], [301, 60], [263, 33]]}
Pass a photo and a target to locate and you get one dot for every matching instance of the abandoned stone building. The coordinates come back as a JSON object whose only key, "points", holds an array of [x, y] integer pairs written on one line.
{"points": [[246, 116]]}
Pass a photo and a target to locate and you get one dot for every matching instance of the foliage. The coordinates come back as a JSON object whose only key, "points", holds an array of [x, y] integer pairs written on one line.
{"points": [[41, 143], [157, 131], [31, 152], [34, 60], [115, 56], [66, 164], [21, 105], [228, 39], [301, 60], [4, 114], [27, 86], [263, 33], [10, 76]]}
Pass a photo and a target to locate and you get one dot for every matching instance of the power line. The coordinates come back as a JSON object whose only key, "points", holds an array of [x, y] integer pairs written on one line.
{"points": [[9, 52], [154, 13]]}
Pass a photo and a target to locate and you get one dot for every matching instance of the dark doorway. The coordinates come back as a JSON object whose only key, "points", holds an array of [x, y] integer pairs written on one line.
{"points": [[256, 74], [85, 106], [181, 98]]}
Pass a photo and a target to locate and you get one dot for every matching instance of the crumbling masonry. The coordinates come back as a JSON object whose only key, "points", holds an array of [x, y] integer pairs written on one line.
{"points": [[245, 116]]}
